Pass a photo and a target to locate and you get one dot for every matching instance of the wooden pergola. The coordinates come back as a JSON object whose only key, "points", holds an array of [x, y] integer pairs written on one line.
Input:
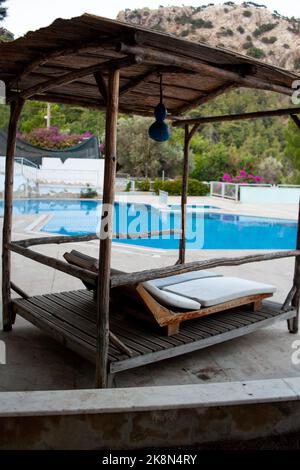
{"points": [[107, 65]]}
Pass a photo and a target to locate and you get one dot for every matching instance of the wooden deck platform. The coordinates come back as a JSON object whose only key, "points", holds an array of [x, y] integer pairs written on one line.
{"points": [[70, 318]]}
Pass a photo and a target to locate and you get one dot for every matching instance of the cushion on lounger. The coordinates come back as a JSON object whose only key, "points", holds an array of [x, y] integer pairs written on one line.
{"points": [[214, 291], [170, 280], [171, 300]]}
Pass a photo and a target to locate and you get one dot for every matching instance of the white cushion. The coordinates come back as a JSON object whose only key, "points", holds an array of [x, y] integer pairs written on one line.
{"points": [[170, 280], [216, 290], [171, 300]]}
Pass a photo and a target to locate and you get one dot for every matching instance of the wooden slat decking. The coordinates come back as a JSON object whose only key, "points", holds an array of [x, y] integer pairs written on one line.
{"points": [[70, 318]]}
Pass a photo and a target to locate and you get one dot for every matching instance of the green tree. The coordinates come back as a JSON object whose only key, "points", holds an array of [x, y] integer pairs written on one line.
{"points": [[141, 156], [3, 10], [232, 146], [292, 151], [68, 118]]}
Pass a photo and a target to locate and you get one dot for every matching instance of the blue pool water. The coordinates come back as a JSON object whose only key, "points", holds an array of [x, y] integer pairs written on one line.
{"points": [[207, 230]]}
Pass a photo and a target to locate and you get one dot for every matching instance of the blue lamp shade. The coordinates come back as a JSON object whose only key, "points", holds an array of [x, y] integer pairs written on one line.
{"points": [[159, 130]]}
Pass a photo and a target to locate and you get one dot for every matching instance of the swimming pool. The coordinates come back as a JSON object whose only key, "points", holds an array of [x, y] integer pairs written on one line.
{"points": [[206, 230]]}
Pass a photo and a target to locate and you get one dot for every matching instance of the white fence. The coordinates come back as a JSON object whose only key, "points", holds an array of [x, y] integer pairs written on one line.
{"points": [[224, 190], [256, 193], [22, 167], [163, 198], [272, 195]]}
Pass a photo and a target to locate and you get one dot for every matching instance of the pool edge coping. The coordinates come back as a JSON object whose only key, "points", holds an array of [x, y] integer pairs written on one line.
{"points": [[139, 399]]}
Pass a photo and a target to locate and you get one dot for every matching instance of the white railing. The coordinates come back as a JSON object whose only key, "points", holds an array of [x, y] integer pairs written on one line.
{"points": [[224, 190], [22, 167], [163, 198], [26, 168], [232, 190]]}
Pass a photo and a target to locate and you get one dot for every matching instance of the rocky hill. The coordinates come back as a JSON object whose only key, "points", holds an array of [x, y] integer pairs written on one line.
{"points": [[5, 35], [247, 28]]}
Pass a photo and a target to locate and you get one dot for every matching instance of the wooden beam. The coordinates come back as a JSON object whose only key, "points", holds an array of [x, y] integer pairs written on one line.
{"points": [[86, 103], [287, 303], [184, 191], [153, 73], [147, 275], [102, 43], [135, 82], [236, 117], [103, 291], [60, 239], [101, 86], [193, 131], [158, 57], [62, 266], [75, 74], [15, 112], [18, 290], [294, 322], [69, 100], [56, 240], [119, 344], [296, 120], [205, 98]]}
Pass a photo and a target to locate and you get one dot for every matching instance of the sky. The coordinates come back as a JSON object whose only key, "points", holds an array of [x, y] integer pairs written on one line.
{"points": [[28, 15]]}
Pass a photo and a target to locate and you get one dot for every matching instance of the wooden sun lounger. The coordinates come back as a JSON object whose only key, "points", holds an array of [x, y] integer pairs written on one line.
{"points": [[151, 308]]}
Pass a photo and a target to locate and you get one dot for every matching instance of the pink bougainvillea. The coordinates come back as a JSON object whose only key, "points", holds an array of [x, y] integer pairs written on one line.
{"points": [[53, 138], [227, 178], [241, 178]]}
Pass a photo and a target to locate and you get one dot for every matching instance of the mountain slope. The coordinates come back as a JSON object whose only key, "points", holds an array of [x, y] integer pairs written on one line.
{"points": [[5, 35], [248, 28]]}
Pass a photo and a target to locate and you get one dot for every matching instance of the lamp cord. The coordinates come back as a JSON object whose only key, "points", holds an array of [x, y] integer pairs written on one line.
{"points": [[161, 89]]}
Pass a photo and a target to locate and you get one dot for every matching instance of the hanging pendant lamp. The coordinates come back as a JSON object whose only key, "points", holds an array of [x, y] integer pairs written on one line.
{"points": [[159, 130]]}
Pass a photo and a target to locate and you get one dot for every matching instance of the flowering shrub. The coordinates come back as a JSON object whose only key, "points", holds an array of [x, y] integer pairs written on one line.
{"points": [[52, 138], [242, 178]]}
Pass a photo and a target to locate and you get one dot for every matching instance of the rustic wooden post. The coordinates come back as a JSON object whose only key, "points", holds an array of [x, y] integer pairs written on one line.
{"points": [[15, 111], [296, 120], [184, 191], [293, 323], [107, 221]]}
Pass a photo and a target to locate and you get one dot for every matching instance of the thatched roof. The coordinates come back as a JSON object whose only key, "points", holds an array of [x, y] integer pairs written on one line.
{"points": [[192, 73]]}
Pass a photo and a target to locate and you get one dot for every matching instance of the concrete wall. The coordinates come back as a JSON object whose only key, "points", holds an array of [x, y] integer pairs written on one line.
{"points": [[72, 171], [19, 183], [269, 195], [149, 417]]}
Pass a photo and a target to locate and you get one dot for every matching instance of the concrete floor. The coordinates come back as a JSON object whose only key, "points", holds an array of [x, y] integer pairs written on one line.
{"points": [[36, 362]]}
